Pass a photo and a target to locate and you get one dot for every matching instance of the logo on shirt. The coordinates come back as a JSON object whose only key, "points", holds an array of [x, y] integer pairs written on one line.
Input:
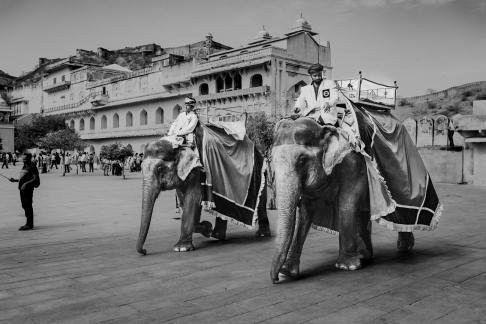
{"points": [[326, 93]]}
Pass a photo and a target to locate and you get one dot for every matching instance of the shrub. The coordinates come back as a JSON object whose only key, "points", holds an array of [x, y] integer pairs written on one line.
{"points": [[451, 110], [481, 96], [466, 94], [403, 102], [431, 105]]}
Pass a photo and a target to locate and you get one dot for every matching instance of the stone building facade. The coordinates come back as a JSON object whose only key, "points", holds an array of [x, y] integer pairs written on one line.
{"points": [[109, 103]]}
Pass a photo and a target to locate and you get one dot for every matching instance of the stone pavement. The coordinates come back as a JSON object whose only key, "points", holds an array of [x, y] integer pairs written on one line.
{"points": [[79, 265]]}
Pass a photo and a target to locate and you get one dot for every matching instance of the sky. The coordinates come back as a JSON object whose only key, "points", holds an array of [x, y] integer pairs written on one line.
{"points": [[422, 44]]}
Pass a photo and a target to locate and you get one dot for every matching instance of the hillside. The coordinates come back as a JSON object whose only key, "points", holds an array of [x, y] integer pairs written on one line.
{"points": [[449, 102]]}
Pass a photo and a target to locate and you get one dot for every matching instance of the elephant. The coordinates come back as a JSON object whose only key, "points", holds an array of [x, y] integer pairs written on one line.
{"points": [[167, 168], [314, 167]]}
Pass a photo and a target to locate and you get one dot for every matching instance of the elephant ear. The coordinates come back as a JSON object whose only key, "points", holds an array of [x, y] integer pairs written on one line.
{"points": [[188, 160], [335, 148]]}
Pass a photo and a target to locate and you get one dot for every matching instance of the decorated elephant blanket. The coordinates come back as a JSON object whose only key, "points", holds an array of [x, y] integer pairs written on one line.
{"points": [[403, 198], [234, 177], [401, 194]]}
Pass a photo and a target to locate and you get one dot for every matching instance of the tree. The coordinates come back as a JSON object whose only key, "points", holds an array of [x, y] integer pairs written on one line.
{"points": [[259, 129], [64, 139], [27, 136], [116, 151]]}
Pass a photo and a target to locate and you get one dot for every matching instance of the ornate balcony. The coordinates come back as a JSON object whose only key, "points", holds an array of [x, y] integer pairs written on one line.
{"points": [[63, 85], [99, 100]]}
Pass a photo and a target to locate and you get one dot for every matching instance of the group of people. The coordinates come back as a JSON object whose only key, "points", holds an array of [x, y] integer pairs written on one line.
{"points": [[8, 157], [80, 160]]}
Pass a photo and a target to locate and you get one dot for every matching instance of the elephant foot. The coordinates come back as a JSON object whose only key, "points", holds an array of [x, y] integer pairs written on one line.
{"points": [[349, 263], [290, 269], [219, 231], [405, 241], [263, 231], [204, 228], [184, 247]]}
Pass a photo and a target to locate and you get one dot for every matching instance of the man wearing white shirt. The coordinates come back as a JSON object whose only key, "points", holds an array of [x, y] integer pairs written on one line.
{"points": [[318, 101], [319, 94], [185, 123]]}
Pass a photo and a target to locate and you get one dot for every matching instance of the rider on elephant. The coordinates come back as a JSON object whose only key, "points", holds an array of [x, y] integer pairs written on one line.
{"points": [[318, 101], [182, 129]]}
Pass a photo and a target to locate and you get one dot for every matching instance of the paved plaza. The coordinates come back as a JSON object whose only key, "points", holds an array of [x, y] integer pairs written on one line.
{"points": [[79, 265]]}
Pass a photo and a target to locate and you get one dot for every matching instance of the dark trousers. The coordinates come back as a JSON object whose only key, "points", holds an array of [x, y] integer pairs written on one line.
{"points": [[5, 163], [26, 200], [91, 169]]}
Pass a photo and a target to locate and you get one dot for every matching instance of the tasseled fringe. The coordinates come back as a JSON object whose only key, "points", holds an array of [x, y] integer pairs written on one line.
{"points": [[208, 205], [260, 191], [229, 219], [413, 227], [324, 229]]}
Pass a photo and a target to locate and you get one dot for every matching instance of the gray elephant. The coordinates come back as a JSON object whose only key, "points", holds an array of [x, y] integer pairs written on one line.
{"points": [[165, 168], [316, 172]]}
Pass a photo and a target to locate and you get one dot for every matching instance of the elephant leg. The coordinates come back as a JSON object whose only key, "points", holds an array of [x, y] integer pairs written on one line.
{"points": [[348, 211], [405, 241], [191, 214], [263, 223], [220, 226], [365, 247], [291, 266]]}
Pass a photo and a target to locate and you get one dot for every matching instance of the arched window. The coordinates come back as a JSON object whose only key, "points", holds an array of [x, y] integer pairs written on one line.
{"points": [[81, 124], [228, 83], [219, 84], [203, 89], [143, 117], [129, 119], [298, 86], [92, 123], [116, 121], [159, 116], [256, 81], [175, 111], [71, 124], [103, 122], [237, 81]]}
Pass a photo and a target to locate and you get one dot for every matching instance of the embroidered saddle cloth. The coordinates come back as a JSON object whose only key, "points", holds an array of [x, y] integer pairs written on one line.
{"points": [[401, 194], [234, 178]]}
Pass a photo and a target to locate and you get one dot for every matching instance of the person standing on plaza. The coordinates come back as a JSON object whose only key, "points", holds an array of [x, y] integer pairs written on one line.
{"points": [[28, 180], [53, 161], [58, 159], [91, 162], [14, 158], [47, 161], [4, 160], [67, 163]]}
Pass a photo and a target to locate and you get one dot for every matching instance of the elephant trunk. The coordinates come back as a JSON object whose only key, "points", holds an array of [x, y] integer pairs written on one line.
{"points": [[287, 199], [149, 196]]}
